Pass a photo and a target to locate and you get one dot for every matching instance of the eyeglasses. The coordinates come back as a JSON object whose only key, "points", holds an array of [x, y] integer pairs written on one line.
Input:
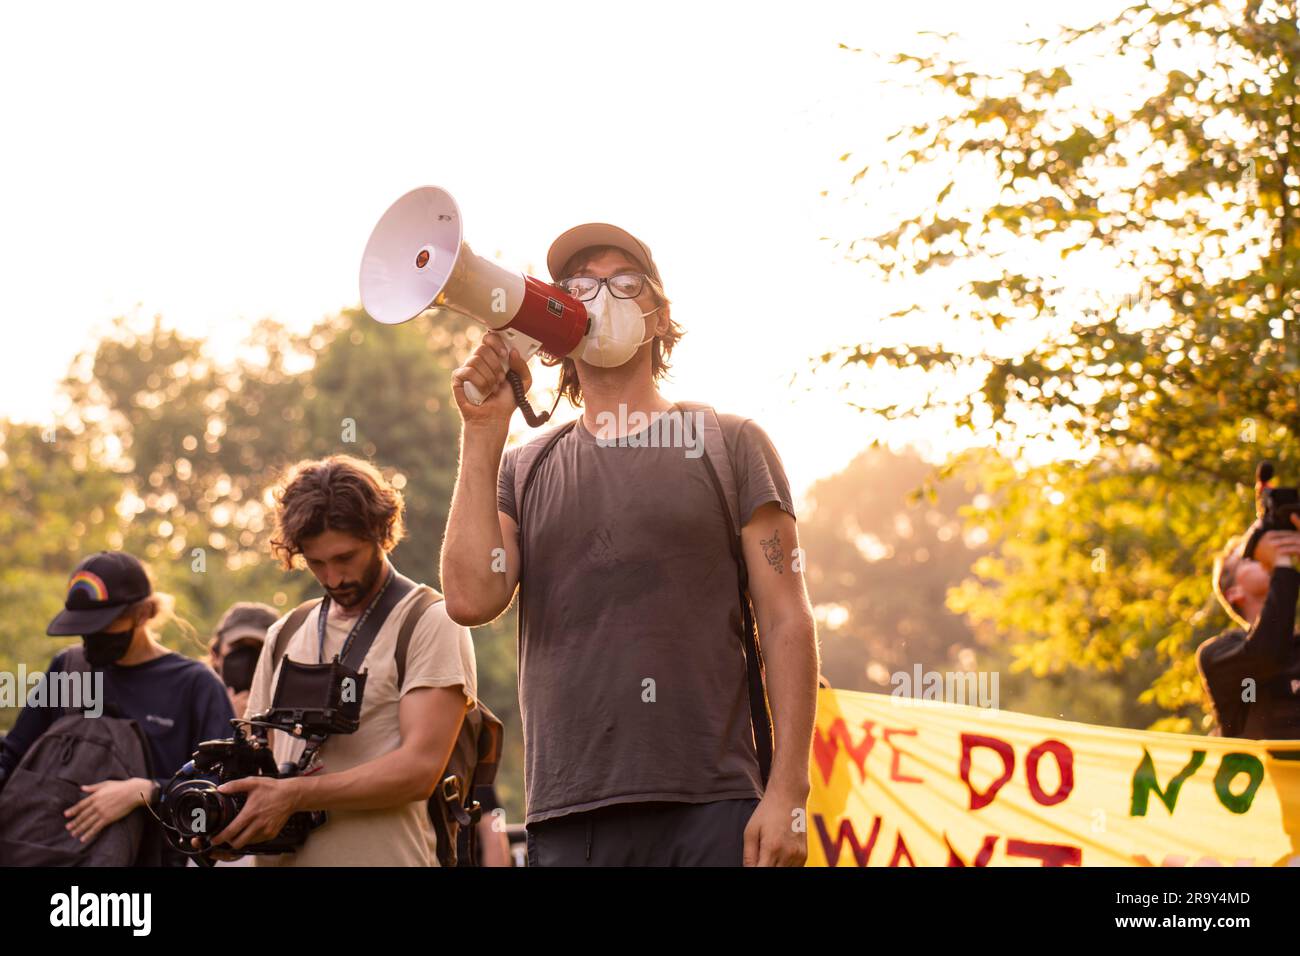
{"points": [[625, 285]]}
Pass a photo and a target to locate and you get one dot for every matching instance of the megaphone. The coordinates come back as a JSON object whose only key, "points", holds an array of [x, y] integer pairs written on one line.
{"points": [[417, 259]]}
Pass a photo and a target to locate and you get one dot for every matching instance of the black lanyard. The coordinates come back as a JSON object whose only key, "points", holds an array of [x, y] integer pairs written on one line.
{"points": [[347, 643]]}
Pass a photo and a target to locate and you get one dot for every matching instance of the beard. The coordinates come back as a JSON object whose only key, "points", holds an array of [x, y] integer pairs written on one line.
{"points": [[351, 593]]}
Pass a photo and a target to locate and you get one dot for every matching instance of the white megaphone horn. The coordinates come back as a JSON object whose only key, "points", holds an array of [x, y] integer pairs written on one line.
{"points": [[417, 260]]}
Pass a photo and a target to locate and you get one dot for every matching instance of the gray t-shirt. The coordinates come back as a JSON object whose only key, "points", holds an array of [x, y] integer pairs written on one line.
{"points": [[632, 682]]}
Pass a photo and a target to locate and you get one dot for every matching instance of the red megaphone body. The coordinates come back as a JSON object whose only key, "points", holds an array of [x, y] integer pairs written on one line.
{"points": [[417, 259]]}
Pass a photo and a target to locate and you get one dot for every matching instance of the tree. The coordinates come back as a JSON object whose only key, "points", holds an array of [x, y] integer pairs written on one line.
{"points": [[59, 505], [880, 561], [1184, 184]]}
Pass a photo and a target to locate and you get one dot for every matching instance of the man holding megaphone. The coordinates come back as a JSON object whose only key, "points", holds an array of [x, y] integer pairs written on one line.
{"points": [[646, 539]]}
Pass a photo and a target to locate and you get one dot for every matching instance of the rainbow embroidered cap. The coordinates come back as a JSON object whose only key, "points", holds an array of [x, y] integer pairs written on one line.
{"points": [[100, 588]]}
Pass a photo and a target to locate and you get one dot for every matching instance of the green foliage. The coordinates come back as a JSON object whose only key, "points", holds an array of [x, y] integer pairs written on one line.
{"points": [[888, 539], [1185, 184], [1101, 570], [58, 501]]}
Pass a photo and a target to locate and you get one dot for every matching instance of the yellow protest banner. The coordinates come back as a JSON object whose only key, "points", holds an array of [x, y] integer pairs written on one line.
{"points": [[903, 782]]}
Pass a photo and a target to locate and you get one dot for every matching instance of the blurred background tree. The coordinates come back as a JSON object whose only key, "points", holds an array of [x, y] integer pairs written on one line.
{"points": [[887, 540], [880, 560], [59, 499], [1181, 187]]}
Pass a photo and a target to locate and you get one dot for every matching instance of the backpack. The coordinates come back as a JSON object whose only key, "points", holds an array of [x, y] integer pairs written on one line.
{"points": [[475, 754], [76, 750], [722, 474]]}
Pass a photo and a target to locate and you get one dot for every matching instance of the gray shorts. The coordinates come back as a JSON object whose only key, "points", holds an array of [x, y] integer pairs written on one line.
{"points": [[645, 834]]}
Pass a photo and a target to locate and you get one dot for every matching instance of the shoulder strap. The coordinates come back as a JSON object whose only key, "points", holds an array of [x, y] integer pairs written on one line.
{"points": [[715, 451], [530, 456], [425, 599], [74, 662], [717, 462], [399, 587], [297, 617]]}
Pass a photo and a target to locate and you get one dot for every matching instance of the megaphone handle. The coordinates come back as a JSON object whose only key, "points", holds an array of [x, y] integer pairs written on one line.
{"points": [[527, 348], [521, 399]]}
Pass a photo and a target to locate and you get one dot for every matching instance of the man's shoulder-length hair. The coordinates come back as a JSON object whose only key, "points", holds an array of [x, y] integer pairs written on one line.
{"points": [[338, 493]]}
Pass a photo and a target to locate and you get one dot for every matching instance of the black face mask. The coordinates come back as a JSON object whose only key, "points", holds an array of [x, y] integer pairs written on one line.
{"points": [[104, 648], [237, 667]]}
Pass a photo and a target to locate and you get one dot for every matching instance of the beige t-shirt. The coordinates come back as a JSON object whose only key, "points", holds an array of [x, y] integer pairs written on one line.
{"points": [[441, 654]]}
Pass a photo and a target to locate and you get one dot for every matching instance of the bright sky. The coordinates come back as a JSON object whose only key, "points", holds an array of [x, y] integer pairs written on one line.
{"points": [[217, 165]]}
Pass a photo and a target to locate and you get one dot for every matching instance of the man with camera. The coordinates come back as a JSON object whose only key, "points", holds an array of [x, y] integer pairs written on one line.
{"points": [[630, 556], [343, 518], [1252, 672]]}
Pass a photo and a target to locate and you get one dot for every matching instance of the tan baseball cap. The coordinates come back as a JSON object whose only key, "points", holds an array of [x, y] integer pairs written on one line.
{"points": [[590, 234]]}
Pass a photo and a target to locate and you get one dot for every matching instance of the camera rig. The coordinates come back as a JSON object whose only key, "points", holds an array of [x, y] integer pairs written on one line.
{"points": [[311, 702]]}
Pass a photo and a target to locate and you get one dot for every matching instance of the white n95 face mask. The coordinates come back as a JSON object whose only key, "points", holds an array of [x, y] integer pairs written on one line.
{"points": [[617, 330]]}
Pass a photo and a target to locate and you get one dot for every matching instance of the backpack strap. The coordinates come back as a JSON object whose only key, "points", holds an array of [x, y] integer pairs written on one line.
{"points": [[717, 462], [398, 587], [715, 451], [530, 456], [74, 662], [297, 617], [424, 599], [490, 739]]}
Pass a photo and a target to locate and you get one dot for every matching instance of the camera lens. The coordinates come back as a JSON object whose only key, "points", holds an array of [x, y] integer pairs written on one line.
{"points": [[195, 808]]}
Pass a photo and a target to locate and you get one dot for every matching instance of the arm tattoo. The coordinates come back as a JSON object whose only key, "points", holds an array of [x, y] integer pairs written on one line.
{"points": [[772, 550]]}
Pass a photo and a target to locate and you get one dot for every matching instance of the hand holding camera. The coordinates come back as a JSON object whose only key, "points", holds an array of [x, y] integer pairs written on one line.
{"points": [[1279, 548], [232, 794], [269, 803], [1272, 539]]}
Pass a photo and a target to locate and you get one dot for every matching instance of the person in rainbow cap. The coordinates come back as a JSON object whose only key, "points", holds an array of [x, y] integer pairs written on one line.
{"points": [[177, 701]]}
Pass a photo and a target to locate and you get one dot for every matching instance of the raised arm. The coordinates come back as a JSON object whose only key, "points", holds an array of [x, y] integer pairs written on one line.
{"points": [[480, 556]]}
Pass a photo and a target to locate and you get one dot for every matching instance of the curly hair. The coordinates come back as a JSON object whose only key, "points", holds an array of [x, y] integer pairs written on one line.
{"points": [[338, 493], [662, 347]]}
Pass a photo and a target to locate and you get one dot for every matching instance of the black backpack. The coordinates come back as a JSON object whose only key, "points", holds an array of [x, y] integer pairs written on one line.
{"points": [[76, 750], [474, 756]]}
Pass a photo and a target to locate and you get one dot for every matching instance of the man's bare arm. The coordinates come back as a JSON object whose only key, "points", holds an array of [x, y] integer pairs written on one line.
{"points": [[429, 719], [788, 639], [480, 561]]}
